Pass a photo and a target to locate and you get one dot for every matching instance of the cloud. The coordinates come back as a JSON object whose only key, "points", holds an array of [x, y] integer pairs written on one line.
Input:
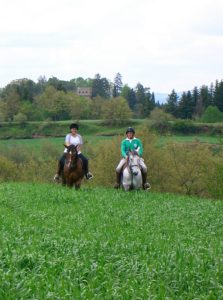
{"points": [[162, 44]]}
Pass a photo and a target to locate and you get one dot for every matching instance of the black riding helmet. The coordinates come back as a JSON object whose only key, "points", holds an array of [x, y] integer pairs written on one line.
{"points": [[74, 125], [130, 129]]}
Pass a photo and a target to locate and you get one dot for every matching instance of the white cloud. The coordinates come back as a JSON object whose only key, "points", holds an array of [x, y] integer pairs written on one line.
{"points": [[162, 44]]}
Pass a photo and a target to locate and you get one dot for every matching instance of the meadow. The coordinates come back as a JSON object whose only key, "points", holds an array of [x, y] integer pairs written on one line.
{"points": [[100, 243], [37, 144]]}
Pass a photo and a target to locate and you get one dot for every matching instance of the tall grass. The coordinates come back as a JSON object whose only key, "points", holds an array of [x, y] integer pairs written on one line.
{"points": [[104, 244], [186, 168]]}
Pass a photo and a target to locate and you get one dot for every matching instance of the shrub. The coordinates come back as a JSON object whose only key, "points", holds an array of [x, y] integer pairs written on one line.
{"points": [[192, 165], [184, 126], [212, 115], [161, 127], [20, 118], [8, 170], [214, 184], [158, 114]]}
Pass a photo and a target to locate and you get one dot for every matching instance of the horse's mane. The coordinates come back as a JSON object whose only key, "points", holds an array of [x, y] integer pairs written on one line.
{"points": [[72, 148]]}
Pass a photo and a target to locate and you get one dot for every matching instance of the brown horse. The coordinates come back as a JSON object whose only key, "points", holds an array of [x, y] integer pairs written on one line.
{"points": [[73, 171]]}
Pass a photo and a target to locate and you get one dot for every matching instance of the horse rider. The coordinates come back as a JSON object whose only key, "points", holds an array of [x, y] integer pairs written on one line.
{"points": [[131, 143], [73, 138]]}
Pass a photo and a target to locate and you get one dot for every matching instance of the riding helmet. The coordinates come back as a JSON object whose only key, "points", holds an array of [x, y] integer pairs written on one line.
{"points": [[74, 125], [130, 129]]}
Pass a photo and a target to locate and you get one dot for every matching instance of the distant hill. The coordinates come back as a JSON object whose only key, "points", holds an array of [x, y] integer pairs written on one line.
{"points": [[161, 97]]}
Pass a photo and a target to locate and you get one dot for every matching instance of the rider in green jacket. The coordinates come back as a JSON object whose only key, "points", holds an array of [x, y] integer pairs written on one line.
{"points": [[131, 143]]}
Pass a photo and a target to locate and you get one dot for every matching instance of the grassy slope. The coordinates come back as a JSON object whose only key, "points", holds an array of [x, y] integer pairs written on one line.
{"points": [[104, 244]]}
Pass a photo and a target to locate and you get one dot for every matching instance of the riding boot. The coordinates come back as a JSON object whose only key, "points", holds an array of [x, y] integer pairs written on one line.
{"points": [[118, 180], [88, 174], [60, 167], [145, 184]]}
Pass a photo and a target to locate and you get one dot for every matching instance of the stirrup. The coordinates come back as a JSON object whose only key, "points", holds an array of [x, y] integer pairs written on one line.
{"points": [[89, 176], [146, 186], [56, 178]]}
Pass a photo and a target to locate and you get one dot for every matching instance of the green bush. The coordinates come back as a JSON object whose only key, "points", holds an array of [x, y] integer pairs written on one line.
{"points": [[8, 170], [161, 126], [20, 118], [185, 127], [212, 115]]}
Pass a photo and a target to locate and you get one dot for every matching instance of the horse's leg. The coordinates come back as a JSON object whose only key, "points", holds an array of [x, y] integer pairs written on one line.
{"points": [[78, 184], [137, 181], [126, 180], [63, 180]]}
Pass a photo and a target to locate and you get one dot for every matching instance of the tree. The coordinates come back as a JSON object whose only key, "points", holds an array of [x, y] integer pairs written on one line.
{"points": [[205, 97], [212, 115], [96, 108], [145, 102], [129, 94], [25, 88], [53, 103], [195, 96], [117, 88], [10, 104], [116, 111], [186, 106], [172, 103], [79, 107], [57, 84], [218, 95], [100, 87]]}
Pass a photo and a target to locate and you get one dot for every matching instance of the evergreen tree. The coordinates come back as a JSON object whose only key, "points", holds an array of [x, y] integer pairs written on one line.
{"points": [[129, 94], [186, 106], [172, 104], [145, 103], [117, 87], [204, 94], [195, 96], [100, 87], [211, 94], [218, 95]]}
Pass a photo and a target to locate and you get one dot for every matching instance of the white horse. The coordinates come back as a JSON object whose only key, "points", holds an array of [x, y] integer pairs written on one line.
{"points": [[132, 176]]}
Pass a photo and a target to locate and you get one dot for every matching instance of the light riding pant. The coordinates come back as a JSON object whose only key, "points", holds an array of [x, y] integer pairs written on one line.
{"points": [[123, 161]]}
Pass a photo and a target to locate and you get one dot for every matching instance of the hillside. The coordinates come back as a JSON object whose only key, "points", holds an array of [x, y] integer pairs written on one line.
{"points": [[59, 129], [101, 244]]}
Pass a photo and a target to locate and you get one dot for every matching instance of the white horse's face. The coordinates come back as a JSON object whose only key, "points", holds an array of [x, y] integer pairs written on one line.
{"points": [[134, 164]]}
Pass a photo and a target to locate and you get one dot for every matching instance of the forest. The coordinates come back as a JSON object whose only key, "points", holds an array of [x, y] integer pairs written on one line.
{"points": [[53, 100]]}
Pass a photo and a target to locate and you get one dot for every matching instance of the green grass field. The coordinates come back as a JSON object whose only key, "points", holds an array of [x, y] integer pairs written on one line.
{"points": [[100, 243], [37, 143]]}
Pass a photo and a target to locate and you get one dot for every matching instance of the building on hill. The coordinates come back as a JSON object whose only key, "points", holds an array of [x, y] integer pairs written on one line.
{"points": [[84, 91]]}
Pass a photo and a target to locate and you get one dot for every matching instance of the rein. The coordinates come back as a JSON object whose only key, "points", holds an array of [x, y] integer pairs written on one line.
{"points": [[71, 161]]}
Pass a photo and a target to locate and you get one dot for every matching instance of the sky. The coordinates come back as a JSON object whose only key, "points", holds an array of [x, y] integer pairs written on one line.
{"points": [[163, 44]]}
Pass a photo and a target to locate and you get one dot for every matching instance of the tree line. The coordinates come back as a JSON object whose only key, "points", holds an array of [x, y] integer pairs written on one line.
{"points": [[193, 104], [54, 99]]}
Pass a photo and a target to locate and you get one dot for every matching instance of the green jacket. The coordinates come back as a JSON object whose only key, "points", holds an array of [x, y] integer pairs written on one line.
{"points": [[129, 145]]}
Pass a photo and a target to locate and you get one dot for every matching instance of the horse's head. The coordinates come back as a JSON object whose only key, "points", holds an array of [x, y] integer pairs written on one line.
{"points": [[71, 156], [133, 162]]}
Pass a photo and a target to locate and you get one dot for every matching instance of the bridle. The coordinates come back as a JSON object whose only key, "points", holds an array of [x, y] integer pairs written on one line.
{"points": [[71, 160], [131, 166]]}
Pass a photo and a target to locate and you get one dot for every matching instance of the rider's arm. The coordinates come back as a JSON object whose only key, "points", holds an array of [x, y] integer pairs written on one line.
{"points": [[123, 149], [139, 148], [80, 144], [67, 140]]}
